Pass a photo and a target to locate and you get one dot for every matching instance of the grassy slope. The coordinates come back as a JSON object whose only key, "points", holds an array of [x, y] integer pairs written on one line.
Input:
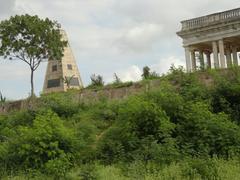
{"points": [[89, 121]]}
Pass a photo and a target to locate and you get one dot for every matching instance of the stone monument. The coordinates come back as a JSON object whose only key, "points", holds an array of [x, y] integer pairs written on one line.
{"points": [[212, 41], [64, 74]]}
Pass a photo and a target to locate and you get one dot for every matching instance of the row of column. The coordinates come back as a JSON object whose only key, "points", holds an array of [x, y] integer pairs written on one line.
{"points": [[222, 57]]}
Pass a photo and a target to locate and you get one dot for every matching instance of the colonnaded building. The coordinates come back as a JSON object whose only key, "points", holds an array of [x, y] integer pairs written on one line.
{"points": [[212, 41], [64, 74]]}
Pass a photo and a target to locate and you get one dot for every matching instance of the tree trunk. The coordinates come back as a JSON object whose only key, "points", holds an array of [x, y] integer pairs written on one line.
{"points": [[32, 83]]}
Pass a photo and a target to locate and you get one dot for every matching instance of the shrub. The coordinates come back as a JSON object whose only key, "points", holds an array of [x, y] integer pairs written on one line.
{"points": [[63, 104], [226, 98], [151, 151], [58, 167], [149, 75], [111, 145], [47, 139], [168, 99], [202, 133], [205, 168], [2, 99], [137, 120], [96, 81], [145, 118], [88, 172]]}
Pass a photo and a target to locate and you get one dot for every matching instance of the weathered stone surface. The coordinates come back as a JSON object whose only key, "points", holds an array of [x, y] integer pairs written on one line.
{"points": [[58, 70], [89, 96]]}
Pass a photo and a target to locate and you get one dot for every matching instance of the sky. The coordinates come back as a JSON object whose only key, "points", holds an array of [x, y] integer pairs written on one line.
{"points": [[109, 36]]}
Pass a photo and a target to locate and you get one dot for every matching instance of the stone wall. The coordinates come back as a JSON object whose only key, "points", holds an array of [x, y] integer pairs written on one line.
{"points": [[89, 95]]}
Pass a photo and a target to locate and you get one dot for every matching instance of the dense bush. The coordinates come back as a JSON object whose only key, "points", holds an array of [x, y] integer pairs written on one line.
{"points": [[202, 133], [226, 98], [140, 125], [44, 144], [184, 129], [64, 104]]}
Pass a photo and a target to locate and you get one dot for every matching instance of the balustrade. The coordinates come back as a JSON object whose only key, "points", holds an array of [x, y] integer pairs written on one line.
{"points": [[210, 19]]}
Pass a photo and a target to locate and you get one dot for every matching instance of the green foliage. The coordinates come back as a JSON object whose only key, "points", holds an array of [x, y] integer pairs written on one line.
{"points": [[31, 40], [33, 146], [67, 80], [149, 75], [117, 80], [189, 86], [146, 72], [203, 168], [2, 99], [183, 129], [151, 150], [61, 103], [225, 96], [88, 172], [138, 121], [118, 85], [9, 123], [96, 81], [145, 118], [168, 99], [58, 167], [202, 133], [176, 74]]}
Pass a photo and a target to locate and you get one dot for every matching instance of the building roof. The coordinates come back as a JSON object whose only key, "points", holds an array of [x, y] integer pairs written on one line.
{"points": [[212, 19]]}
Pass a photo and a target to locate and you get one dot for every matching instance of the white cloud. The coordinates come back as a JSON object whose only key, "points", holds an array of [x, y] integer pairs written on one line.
{"points": [[131, 74], [134, 72], [139, 38], [110, 36], [164, 65]]}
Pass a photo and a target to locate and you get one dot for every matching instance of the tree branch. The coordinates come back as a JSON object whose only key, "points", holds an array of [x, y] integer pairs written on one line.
{"points": [[21, 58], [37, 65]]}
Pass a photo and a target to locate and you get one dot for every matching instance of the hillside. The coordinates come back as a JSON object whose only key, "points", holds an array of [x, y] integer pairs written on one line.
{"points": [[184, 127]]}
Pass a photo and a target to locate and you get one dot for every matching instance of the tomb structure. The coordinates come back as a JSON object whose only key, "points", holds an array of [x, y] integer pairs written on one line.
{"points": [[62, 75], [212, 41]]}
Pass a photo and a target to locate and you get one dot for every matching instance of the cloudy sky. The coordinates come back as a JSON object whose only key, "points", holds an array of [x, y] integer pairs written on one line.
{"points": [[109, 36]]}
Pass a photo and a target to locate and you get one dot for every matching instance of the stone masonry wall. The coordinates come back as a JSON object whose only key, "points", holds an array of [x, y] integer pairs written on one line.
{"points": [[88, 95]]}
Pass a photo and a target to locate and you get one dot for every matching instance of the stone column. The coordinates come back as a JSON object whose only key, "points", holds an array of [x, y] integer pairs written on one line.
{"points": [[228, 57], [222, 54], [215, 54], [208, 54], [188, 60], [235, 57], [193, 60], [201, 59]]}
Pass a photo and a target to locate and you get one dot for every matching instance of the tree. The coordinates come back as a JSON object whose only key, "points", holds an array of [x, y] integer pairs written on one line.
{"points": [[146, 72], [67, 80], [97, 80], [117, 80], [45, 140], [31, 40], [2, 98]]}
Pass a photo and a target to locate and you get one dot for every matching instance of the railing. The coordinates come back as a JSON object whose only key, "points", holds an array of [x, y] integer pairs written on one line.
{"points": [[210, 19]]}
